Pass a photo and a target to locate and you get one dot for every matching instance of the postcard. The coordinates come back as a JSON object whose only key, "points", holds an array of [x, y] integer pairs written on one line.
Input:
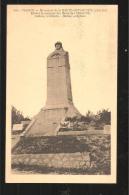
{"points": [[61, 116]]}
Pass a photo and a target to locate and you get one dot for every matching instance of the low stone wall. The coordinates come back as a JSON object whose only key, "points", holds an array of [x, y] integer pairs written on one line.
{"points": [[62, 160], [85, 132]]}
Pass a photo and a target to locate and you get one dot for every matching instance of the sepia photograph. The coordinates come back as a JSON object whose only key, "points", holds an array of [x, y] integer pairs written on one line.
{"points": [[61, 106]]}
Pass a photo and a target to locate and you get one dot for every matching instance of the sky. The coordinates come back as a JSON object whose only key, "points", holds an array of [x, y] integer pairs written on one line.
{"points": [[92, 45]]}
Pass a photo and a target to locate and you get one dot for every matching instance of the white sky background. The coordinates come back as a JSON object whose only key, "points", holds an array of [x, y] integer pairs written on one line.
{"points": [[92, 46]]}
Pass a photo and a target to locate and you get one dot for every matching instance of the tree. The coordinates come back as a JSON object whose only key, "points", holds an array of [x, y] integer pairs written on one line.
{"points": [[89, 116], [17, 116], [105, 116]]}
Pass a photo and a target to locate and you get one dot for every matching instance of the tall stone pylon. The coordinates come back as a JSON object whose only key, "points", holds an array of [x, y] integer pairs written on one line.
{"points": [[59, 103]]}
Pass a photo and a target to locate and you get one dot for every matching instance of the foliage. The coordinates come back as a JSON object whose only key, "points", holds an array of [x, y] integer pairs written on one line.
{"points": [[17, 116], [103, 117]]}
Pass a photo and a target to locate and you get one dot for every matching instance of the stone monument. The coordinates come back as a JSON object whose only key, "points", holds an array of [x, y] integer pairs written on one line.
{"points": [[59, 103]]}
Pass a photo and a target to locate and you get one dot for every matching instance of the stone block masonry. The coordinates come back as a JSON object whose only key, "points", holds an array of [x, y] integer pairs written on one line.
{"points": [[61, 160]]}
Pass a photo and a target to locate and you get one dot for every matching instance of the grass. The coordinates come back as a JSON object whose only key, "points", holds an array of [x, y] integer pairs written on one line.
{"points": [[61, 144]]}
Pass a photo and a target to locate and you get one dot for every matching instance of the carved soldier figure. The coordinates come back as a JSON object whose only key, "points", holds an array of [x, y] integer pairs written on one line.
{"points": [[58, 50]]}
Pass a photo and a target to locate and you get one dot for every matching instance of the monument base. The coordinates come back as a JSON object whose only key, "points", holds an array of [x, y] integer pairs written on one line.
{"points": [[63, 154], [47, 121]]}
